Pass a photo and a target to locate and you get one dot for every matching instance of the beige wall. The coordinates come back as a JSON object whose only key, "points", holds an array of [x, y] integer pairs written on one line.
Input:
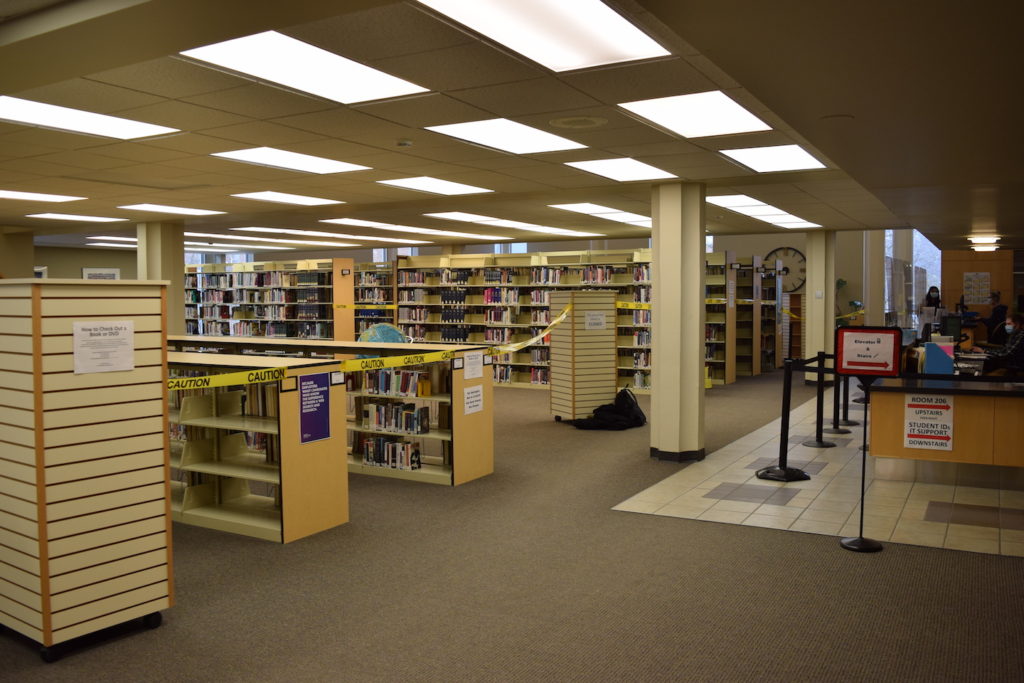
{"points": [[64, 262]]}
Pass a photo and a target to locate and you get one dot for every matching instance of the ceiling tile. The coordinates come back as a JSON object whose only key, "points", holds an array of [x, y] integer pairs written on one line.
{"points": [[263, 134], [654, 149], [339, 150], [139, 153], [499, 162], [457, 153], [55, 139], [351, 125], [81, 93], [33, 165], [169, 77], [635, 135], [526, 97], [260, 101], [455, 68], [10, 149], [380, 32], [646, 80], [194, 143], [184, 116], [424, 110], [82, 159]]}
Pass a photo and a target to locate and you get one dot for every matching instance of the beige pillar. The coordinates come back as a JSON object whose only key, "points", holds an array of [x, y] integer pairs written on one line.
{"points": [[161, 256], [17, 253], [874, 277], [677, 277], [820, 309]]}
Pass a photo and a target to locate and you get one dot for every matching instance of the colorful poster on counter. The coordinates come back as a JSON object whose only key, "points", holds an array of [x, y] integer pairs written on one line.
{"points": [[103, 346], [314, 408], [928, 422]]}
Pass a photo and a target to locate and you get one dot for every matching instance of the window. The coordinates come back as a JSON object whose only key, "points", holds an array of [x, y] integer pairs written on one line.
{"points": [[709, 243], [380, 255]]}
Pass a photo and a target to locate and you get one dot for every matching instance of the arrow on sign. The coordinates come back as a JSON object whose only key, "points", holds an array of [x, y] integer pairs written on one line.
{"points": [[868, 365], [930, 406], [929, 436]]}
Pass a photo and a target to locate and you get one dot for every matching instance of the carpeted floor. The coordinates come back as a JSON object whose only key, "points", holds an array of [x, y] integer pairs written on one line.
{"points": [[528, 575]]}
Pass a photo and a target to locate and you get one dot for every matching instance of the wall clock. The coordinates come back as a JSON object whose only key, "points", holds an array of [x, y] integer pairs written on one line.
{"points": [[794, 267]]}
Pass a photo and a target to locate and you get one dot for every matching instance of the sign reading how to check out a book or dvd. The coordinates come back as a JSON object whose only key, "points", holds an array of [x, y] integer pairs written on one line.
{"points": [[873, 351]]}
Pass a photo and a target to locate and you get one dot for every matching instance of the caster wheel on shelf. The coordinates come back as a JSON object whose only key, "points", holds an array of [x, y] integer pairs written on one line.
{"points": [[153, 620], [49, 654]]}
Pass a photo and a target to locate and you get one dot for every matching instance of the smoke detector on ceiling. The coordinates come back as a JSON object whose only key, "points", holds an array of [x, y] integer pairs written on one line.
{"points": [[578, 122]]}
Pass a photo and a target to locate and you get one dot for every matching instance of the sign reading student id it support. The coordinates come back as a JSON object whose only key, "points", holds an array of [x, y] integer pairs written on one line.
{"points": [[928, 422], [868, 351]]}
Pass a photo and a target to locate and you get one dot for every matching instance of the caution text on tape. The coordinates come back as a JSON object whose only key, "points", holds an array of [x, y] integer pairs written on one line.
{"points": [[632, 305], [227, 379]]}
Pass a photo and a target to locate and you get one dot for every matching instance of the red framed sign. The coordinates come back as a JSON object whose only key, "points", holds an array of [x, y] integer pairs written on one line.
{"points": [[873, 351]]}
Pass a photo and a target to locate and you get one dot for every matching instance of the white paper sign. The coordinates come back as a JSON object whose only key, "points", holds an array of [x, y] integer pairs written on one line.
{"points": [[594, 320], [104, 346], [928, 422], [868, 352], [474, 365], [473, 399]]}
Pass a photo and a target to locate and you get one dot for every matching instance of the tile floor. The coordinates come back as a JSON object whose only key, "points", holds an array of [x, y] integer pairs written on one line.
{"points": [[723, 488]]}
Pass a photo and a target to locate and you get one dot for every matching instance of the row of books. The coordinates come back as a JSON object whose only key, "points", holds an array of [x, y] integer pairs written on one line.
{"points": [[642, 294], [456, 276], [641, 317], [642, 359], [642, 272], [598, 274], [453, 296], [276, 328], [641, 338], [540, 296], [374, 279], [417, 315], [413, 296], [502, 276], [543, 275], [395, 382], [501, 295], [384, 452], [374, 295], [407, 418]]}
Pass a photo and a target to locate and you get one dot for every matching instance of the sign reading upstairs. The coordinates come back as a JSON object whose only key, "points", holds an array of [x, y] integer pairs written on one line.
{"points": [[871, 351]]}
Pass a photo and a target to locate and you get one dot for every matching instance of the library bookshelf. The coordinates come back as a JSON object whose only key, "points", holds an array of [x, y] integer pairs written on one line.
{"points": [[457, 447], [85, 525], [583, 354], [271, 299], [720, 318], [375, 285], [243, 465]]}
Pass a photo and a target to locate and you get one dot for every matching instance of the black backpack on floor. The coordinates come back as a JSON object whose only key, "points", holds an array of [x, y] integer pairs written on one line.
{"points": [[624, 413]]}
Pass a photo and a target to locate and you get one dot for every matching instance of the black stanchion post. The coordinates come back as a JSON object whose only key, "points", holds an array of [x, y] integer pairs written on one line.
{"points": [[859, 544], [846, 421], [782, 472], [818, 441], [836, 427]]}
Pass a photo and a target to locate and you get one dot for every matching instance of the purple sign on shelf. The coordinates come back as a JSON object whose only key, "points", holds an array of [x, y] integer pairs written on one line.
{"points": [[314, 408]]}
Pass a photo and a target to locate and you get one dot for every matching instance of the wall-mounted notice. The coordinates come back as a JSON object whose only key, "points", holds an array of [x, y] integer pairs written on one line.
{"points": [[977, 288], [314, 408], [474, 365], [928, 422], [104, 346], [594, 320], [473, 399]]}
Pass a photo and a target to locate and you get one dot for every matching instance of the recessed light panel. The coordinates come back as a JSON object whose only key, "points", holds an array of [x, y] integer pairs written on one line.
{"points": [[272, 240], [560, 35], [698, 115], [622, 170], [320, 233], [111, 244], [275, 57], [758, 210], [210, 250], [37, 197], [508, 136], [728, 201], [412, 229], [984, 247], [605, 212], [286, 198], [161, 208], [797, 224], [249, 247], [434, 185], [292, 161], [515, 225], [776, 158], [76, 120], [111, 238], [981, 239], [73, 217]]}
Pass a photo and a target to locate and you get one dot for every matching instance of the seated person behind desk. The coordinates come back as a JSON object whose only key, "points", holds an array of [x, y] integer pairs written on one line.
{"points": [[994, 322], [1010, 356]]}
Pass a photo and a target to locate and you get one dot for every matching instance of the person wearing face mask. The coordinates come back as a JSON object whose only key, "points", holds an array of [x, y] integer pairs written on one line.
{"points": [[930, 312], [1009, 356], [995, 321]]}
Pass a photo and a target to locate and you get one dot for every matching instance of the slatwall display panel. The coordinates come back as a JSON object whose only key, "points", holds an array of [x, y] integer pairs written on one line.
{"points": [[91, 461], [583, 361]]}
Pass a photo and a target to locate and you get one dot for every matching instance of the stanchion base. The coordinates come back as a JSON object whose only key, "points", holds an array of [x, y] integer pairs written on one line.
{"points": [[865, 449], [819, 444], [859, 544], [776, 473], [859, 399], [848, 423], [835, 430]]}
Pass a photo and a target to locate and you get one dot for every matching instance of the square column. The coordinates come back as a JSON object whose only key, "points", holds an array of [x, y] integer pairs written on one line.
{"points": [[161, 256], [17, 254], [820, 309], [677, 325], [874, 277]]}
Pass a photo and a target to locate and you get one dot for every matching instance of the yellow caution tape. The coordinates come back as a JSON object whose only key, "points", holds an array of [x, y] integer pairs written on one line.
{"points": [[632, 305], [363, 364], [794, 316], [226, 380], [791, 314], [517, 346], [368, 307], [715, 301]]}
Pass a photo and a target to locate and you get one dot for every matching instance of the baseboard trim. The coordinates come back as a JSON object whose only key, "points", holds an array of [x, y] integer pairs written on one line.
{"points": [[677, 456]]}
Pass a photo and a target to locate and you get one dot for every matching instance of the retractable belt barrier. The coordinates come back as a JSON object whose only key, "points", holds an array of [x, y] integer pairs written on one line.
{"points": [[354, 365]]}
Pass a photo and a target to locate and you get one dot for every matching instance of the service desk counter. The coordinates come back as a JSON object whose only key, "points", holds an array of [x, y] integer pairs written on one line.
{"points": [[946, 421]]}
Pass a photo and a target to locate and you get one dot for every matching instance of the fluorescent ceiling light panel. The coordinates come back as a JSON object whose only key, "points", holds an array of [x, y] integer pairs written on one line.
{"points": [[698, 115], [558, 34], [607, 213], [292, 161], [797, 224], [412, 229], [622, 170], [584, 207], [508, 136], [211, 250], [777, 158], [982, 240], [728, 201], [37, 197], [274, 247], [758, 211], [110, 244], [75, 120], [515, 225], [286, 198], [161, 208], [73, 217], [319, 233], [277, 58], [273, 240], [434, 185], [984, 247], [111, 238]]}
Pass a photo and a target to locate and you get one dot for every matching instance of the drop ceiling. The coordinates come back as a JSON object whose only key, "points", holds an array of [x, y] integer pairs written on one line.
{"points": [[868, 182]]}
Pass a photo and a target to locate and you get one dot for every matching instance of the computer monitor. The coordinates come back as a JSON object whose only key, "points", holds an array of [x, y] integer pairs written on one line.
{"points": [[909, 336], [950, 326]]}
